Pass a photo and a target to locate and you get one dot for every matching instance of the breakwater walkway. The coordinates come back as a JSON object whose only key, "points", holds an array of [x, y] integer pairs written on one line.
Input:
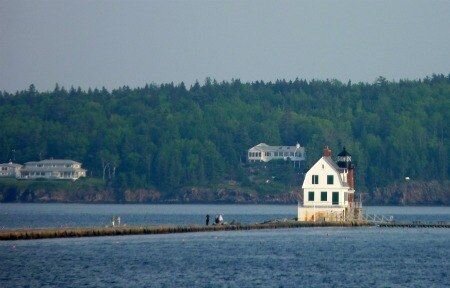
{"points": [[28, 234], [415, 224]]}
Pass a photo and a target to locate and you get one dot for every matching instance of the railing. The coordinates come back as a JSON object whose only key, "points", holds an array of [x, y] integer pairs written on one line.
{"points": [[373, 218], [322, 206]]}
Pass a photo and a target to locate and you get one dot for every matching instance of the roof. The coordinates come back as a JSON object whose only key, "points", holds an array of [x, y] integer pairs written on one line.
{"points": [[344, 153], [267, 148], [53, 161], [332, 163], [318, 167], [10, 164], [338, 169], [52, 169]]}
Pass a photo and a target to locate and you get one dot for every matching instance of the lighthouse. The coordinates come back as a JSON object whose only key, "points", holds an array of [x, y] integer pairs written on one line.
{"points": [[329, 189]]}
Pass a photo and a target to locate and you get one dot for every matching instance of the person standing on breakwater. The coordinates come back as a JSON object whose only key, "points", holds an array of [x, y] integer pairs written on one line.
{"points": [[218, 220], [207, 219]]}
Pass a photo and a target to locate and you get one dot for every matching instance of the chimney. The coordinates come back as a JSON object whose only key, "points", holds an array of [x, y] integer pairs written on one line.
{"points": [[326, 152], [351, 178]]}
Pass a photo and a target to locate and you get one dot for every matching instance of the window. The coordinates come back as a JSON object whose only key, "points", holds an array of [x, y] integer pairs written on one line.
{"points": [[315, 179], [330, 179], [310, 196], [323, 196], [335, 198]]}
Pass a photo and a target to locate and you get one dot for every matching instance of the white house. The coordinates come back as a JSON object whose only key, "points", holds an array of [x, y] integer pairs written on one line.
{"points": [[329, 189], [265, 153], [10, 169], [52, 169]]}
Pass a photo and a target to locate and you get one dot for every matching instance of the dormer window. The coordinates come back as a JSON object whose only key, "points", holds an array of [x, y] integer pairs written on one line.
{"points": [[315, 179]]}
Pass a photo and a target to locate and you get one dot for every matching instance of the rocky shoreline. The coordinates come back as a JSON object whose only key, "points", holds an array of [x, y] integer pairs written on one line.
{"points": [[414, 193], [188, 195]]}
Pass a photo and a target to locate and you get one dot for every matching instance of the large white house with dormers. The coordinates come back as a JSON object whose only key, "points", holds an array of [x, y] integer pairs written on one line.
{"points": [[52, 169], [328, 190], [265, 153]]}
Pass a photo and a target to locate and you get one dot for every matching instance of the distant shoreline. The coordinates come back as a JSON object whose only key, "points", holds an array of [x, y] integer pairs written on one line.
{"points": [[216, 203], [93, 191]]}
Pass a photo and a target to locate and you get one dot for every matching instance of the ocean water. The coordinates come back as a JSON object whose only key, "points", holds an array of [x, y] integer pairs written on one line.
{"points": [[303, 257], [18, 215]]}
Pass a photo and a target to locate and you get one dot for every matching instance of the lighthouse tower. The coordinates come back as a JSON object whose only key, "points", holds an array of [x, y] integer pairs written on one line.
{"points": [[344, 162], [329, 189]]}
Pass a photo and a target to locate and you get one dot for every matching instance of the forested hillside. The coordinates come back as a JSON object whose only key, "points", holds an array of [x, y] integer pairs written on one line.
{"points": [[168, 137]]}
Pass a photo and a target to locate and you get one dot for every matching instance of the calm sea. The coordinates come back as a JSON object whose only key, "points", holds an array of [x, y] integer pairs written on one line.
{"points": [[303, 257]]}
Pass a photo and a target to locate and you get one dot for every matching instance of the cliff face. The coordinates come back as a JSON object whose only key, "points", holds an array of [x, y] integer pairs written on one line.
{"points": [[411, 193], [236, 195], [186, 195], [406, 193], [142, 196], [42, 195]]}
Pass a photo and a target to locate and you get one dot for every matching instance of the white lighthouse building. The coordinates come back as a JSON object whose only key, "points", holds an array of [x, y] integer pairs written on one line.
{"points": [[329, 189]]}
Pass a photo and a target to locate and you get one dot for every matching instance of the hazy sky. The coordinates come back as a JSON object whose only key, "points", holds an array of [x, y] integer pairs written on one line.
{"points": [[116, 43]]}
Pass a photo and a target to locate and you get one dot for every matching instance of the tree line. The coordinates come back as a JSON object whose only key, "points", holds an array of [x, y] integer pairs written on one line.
{"points": [[169, 136]]}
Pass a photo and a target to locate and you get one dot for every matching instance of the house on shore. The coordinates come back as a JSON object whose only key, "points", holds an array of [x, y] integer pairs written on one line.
{"points": [[265, 153], [10, 169], [52, 169], [329, 189]]}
